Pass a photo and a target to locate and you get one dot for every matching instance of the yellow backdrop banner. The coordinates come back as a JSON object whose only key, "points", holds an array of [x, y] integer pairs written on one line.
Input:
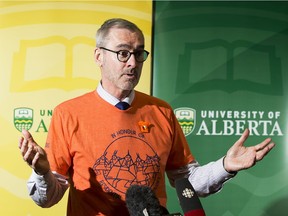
{"points": [[46, 57]]}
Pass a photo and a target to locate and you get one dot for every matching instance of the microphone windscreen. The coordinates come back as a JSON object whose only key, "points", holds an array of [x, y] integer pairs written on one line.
{"points": [[189, 200], [139, 198]]}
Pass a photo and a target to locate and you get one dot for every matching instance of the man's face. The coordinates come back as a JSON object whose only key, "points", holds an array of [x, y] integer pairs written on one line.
{"points": [[119, 78]]}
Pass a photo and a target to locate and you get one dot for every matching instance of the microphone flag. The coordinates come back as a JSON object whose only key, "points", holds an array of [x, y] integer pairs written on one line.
{"points": [[189, 200]]}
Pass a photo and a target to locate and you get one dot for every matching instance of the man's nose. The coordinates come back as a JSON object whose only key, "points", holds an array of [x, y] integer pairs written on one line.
{"points": [[132, 60]]}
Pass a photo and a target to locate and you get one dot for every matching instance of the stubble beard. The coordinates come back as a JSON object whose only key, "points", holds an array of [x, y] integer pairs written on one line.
{"points": [[129, 83]]}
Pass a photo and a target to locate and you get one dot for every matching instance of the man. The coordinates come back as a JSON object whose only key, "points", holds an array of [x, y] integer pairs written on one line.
{"points": [[99, 151]]}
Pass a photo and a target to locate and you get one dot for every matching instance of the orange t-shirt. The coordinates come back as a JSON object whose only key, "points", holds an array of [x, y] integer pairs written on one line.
{"points": [[103, 149]]}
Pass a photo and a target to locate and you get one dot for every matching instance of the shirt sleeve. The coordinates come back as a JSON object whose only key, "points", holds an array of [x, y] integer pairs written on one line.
{"points": [[47, 190], [206, 179]]}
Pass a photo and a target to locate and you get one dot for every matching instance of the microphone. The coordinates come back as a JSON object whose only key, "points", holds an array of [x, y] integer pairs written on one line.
{"points": [[141, 200], [189, 200]]}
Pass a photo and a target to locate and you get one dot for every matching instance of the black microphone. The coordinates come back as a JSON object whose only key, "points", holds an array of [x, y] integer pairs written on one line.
{"points": [[189, 200], [141, 200]]}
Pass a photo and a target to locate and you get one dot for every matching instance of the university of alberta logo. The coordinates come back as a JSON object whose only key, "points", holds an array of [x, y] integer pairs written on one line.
{"points": [[186, 118], [23, 118]]}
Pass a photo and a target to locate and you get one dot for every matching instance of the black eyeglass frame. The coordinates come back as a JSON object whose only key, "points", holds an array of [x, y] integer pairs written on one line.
{"points": [[146, 53]]}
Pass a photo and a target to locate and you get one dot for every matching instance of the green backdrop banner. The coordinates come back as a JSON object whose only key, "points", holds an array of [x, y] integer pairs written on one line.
{"points": [[223, 67]]}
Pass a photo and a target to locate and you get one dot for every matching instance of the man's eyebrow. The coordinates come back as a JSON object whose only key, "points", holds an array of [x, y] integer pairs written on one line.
{"points": [[126, 46]]}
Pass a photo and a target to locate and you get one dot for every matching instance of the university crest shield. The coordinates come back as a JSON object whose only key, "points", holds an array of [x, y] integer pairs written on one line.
{"points": [[23, 118], [187, 118]]}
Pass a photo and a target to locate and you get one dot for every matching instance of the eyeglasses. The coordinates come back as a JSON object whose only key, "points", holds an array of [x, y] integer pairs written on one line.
{"points": [[124, 55]]}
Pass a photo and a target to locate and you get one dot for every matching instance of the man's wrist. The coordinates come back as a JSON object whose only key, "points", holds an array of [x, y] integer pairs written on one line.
{"points": [[230, 172], [43, 173]]}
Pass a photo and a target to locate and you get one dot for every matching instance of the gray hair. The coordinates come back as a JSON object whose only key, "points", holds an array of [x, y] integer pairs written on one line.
{"points": [[103, 31]]}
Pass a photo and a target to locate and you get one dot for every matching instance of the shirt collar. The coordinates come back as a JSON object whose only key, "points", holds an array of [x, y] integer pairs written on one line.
{"points": [[111, 99]]}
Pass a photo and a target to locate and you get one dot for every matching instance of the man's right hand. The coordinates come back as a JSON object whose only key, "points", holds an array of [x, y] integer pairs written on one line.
{"points": [[33, 154]]}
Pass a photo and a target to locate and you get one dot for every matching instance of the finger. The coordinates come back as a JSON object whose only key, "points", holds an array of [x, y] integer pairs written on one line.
{"points": [[27, 135], [24, 147], [243, 138], [35, 159], [20, 142], [29, 155], [263, 152], [262, 145]]}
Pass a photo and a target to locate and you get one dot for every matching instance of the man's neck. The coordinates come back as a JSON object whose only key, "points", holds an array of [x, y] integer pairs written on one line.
{"points": [[111, 98], [117, 93]]}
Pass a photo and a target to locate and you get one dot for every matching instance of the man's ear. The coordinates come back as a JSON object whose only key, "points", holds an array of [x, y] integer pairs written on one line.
{"points": [[98, 56]]}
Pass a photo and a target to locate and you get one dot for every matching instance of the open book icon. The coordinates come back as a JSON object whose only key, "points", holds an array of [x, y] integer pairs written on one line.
{"points": [[54, 62], [221, 65]]}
